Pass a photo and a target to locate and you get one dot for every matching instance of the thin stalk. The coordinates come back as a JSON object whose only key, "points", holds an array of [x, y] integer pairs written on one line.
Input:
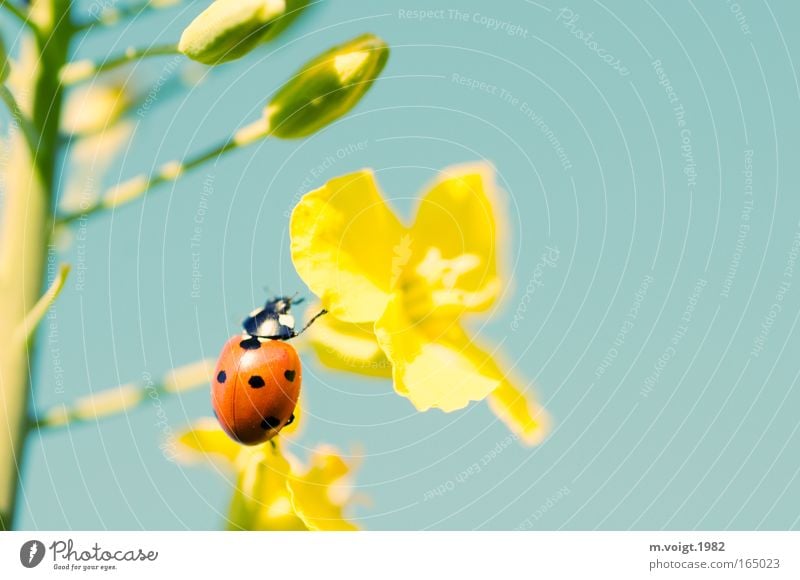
{"points": [[121, 399], [28, 326], [17, 13], [138, 186], [23, 122], [81, 70], [24, 245]]}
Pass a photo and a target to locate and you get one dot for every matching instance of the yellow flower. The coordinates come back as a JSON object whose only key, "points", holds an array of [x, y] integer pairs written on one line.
{"points": [[397, 294], [274, 491], [91, 158], [94, 108]]}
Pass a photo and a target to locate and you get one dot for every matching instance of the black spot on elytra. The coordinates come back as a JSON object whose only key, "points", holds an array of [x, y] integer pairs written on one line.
{"points": [[221, 377], [270, 423], [290, 421], [256, 382], [289, 375], [251, 343]]}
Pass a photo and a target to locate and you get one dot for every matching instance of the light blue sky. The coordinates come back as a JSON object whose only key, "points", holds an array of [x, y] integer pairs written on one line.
{"points": [[665, 414]]}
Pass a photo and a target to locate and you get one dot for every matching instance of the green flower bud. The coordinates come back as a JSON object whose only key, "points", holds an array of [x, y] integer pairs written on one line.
{"points": [[294, 8], [326, 88], [229, 29]]}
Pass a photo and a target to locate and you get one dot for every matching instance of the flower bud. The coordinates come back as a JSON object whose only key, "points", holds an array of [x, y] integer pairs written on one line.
{"points": [[229, 29], [326, 87], [294, 8]]}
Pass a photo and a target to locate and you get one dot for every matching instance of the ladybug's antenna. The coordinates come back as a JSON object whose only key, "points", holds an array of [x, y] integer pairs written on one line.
{"points": [[295, 300], [310, 322]]}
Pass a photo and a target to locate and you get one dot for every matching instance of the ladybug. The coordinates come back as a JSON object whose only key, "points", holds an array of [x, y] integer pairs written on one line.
{"points": [[257, 380]]}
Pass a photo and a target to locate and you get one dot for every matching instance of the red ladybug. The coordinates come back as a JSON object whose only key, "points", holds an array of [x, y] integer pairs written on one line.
{"points": [[257, 380]]}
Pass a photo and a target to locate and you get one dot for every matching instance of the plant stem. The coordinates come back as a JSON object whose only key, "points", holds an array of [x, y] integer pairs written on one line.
{"points": [[17, 13], [26, 330], [27, 222], [19, 116], [136, 187], [78, 71]]}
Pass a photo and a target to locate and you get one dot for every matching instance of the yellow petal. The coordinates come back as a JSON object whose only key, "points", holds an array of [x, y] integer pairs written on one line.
{"points": [[434, 362], [455, 237], [205, 437], [520, 412], [348, 346], [272, 490], [297, 425], [343, 239], [312, 492], [261, 500]]}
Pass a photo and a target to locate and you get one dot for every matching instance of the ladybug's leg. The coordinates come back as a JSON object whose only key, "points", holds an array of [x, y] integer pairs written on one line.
{"points": [[310, 322], [294, 333]]}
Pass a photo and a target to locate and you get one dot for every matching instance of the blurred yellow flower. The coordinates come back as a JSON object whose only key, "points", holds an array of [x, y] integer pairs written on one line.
{"points": [[94, 108], [274, 491], [396, 294], [91, 158]]}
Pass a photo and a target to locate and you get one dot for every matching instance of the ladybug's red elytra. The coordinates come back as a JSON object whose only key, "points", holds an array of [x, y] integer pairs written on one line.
{"points": [[257, 381]]}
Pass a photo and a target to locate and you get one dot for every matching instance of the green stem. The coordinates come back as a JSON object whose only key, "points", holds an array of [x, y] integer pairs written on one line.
{"points": [[17, 114], [136, 187], [28, 326], [78, 71], [18, 14], [24, 247]]}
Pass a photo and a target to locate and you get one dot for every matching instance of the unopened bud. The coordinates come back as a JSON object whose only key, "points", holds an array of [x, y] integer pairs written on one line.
{"points": [[229, 29], [293, 9], [326, 87]]}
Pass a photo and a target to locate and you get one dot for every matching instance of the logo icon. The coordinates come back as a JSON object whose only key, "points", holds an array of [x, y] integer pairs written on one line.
{"points": [[31, 553]]}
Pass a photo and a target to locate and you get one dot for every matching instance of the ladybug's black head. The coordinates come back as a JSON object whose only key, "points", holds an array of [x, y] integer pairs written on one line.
{"points": [[274, 320]]}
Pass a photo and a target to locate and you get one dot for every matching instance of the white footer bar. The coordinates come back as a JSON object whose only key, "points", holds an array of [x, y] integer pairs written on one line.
{"points": [[406, 555]]}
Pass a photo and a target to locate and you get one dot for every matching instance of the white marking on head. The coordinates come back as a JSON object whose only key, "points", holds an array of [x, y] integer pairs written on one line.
{"points": [[286, 320]]}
